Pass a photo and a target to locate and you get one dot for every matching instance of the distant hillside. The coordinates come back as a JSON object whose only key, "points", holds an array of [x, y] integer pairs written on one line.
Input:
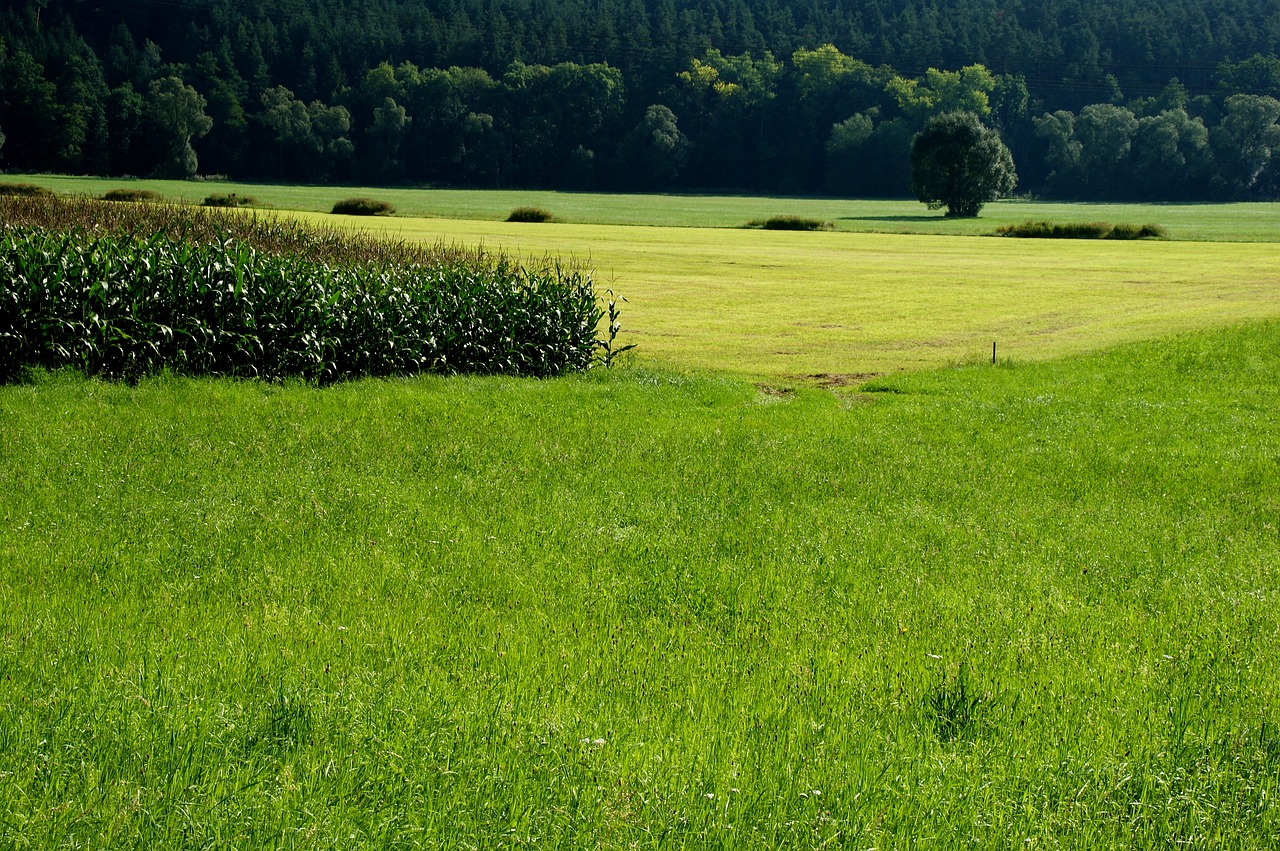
{"points": [[296, 84]]}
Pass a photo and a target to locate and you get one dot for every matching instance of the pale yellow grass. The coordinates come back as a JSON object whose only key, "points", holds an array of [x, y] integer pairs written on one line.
{"points": [[792, 305]]}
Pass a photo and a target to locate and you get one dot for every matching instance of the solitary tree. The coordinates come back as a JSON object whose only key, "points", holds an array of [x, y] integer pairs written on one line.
{"points": [[959, 164]]}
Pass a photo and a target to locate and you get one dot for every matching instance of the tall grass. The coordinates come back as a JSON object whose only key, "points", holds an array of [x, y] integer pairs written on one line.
{"points": [[264, 231], [233, 295], [1027, 602], [1082, 230]]}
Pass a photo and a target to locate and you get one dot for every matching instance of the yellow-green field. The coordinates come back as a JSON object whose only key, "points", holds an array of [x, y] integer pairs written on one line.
{"points": [[788, 305]]}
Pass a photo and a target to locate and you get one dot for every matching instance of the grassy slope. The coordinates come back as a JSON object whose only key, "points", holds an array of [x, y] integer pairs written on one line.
{"points": [[645, 610], [1224, 222]]}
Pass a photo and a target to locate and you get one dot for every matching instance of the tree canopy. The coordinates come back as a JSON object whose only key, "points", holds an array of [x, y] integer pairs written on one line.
{"points": [[1133, 99], [959, 164]]}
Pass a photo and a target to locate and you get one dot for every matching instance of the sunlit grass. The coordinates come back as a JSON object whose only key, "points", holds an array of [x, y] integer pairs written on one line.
{"points": [[642, 609], [797, 305], [782, 304]]}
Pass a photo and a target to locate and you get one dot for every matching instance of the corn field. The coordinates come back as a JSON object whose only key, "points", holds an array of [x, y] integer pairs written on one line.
{"points": [[127, 293]]}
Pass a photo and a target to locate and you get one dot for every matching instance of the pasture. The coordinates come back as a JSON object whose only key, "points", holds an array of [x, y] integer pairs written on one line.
{"points": [[694, 601], [1252, 222]]}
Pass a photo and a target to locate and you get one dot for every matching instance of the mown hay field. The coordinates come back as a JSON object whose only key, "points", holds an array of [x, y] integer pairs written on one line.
{"points": [[793, 305]]}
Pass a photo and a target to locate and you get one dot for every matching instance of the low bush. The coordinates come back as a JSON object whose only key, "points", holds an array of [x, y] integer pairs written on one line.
{"points": [[192, 298], [790, 223], [230, 199], [530, 214], [1138, 232], [132, 195], [1056, 230], [24, 190], [1081, 230], [363, 207]]}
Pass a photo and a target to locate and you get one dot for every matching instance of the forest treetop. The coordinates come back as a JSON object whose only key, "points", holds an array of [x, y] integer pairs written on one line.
{"points": [[1125, 98]]}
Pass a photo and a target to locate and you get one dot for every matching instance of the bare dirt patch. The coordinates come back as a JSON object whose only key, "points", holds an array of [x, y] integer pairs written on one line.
{"points": [[832, 380]]}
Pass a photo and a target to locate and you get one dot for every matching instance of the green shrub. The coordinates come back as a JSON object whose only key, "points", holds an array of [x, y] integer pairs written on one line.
{"points": [[24, 190], [530, 214], [1056, 230], [194, 298], [132, 195], [1138, 232], [1081, 230], [363, 207], [230, 200], [790, 223]]}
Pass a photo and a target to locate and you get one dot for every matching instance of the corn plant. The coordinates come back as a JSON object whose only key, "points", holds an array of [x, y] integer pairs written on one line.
{"points": [[607, 352], [215, 294]]}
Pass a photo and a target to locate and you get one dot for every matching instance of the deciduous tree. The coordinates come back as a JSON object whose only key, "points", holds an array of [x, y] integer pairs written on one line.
{"points": [[966, 90], [655, 151], [958, 163], [1105, 132], [1244, 143], [177, 110]]}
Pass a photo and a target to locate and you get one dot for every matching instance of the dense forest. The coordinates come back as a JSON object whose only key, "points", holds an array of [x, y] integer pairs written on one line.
{"points": [[1097, 99]]}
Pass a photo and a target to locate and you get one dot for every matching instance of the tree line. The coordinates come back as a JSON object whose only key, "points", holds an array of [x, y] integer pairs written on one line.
{"points": [[1166, 104]]}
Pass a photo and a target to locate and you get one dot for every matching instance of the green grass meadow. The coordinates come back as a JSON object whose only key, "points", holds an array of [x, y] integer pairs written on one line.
{"points": [[805, 571], [1029, 605], [1251, 222]]}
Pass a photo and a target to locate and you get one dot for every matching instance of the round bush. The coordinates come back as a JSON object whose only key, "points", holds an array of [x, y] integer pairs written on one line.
{"points": [[230, 200], [795, 223], [530, 214], [363, 207], [132, 195], [25, 190]]}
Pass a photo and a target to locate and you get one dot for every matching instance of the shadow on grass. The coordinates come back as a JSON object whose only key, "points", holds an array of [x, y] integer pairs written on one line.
{"points": [[923, 217]]}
